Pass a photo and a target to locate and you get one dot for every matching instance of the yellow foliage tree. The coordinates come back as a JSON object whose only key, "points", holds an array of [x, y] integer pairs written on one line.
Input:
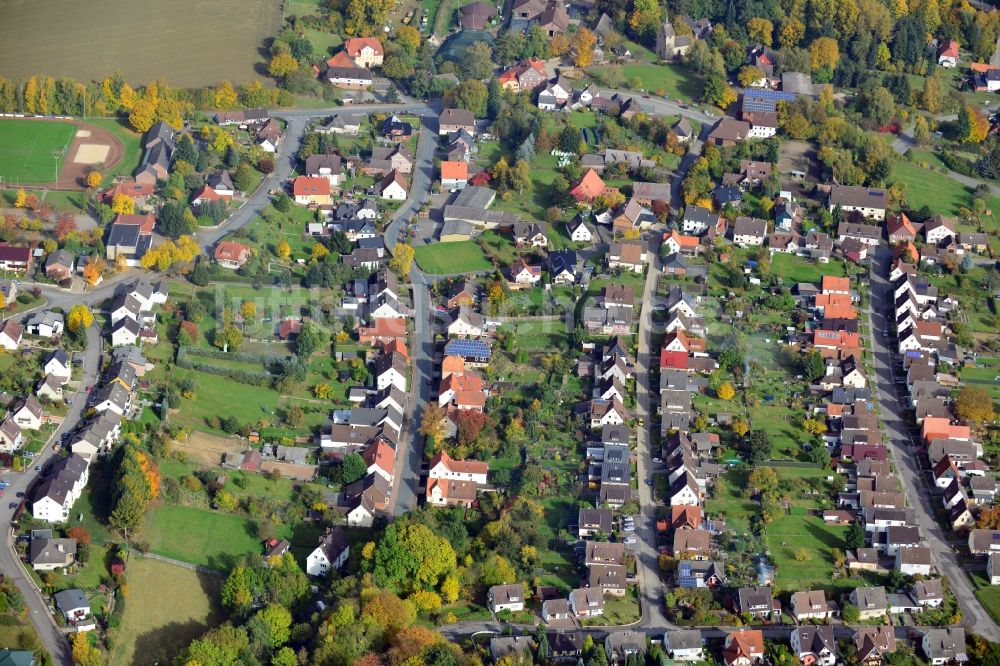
{"points": [[248, 309], [319, 251], [21, 200], [283, 250], [127, 97], [226, 96], [760, 30], [3, 301], [824, 52], [559, 45], [142, 116], [282, 64], [631, 233], [584, 42], [322, 391], [402, 259], [726, 391], [122, 204], [84, 651], [94, 179], [79, 318], [792, 33]]}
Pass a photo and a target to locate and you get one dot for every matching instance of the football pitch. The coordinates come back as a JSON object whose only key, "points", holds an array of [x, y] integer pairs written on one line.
{"points": [[33, 151]]}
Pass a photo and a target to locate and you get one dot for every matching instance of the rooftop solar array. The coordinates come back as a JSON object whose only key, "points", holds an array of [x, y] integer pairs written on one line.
{"points": [[468, 348], [762, 101]]}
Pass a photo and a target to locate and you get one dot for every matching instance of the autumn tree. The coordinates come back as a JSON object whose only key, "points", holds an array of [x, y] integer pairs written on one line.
{"points": [[79, 318], [973, 125], [989, 518], [974, 404], [283, 250], [791, 33], [366, 17], [432, 425], [248, 309], [402, 259], [559, 45], [763, 480], [824, 52], [726, 391], [94, 179], [84, 652], [760, 30], [225, 96], [21, 198], [814, 426], [142, 116], [65, 225], [584, 42], [93, 271], [282, 64], [122, 204]]}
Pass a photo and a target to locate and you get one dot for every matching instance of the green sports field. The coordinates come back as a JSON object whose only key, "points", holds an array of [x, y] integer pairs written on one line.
{"points": [[33, 151]]}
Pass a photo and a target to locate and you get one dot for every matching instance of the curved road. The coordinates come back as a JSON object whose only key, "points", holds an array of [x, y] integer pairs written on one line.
{"points": [[37, 609]]}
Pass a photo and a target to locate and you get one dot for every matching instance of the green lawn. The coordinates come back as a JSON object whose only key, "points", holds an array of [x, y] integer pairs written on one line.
{"points": [[449, 258], [540, 336], [800, 269], [673, 80], [162, 619], [988, 595], [33, 151], [796, 531], [200, 536], [928, 188], [222, 397]]}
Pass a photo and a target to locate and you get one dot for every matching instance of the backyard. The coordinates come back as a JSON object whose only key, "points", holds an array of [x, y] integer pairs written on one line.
{"points": [[661, 79], [451, 258], [160, 619]]}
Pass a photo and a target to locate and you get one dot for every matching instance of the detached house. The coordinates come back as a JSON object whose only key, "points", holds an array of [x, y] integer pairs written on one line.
{"points": [[871, 601], [454, 120], [814, 645], [505, 598], [758, 602], [811, 605], [744, 647], [330, 554]]}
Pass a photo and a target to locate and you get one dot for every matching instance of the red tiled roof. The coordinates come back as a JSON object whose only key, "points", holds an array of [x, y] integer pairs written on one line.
{"points": [[454, 170], [590, 187], [675, 360], [145, 222], [231, 251], [354, 46], [309, 186]]}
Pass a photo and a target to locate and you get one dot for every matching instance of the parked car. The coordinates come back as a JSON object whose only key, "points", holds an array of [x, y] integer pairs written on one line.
{"points": [[630, 541]]}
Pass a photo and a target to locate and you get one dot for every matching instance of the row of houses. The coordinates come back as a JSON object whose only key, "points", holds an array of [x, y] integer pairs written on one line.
{"points": [[746, 647]]}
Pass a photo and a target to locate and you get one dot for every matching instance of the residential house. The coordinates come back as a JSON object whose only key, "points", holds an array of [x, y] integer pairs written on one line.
{"points": [[868, 201], [944, 645], [757, 602], [586, 602], [73, 604], [872, 602], [394, 186], [744, 647], [231, 254], [330, 554], [365, 51], [627, 255], [814, 645], [455, 120], [10, 335], [311, 190], [749, 231], [684, 645], [505, 598], [591, 522], [928, 593], [454, 174], [59, 490], [59, 265], [51, 554]]}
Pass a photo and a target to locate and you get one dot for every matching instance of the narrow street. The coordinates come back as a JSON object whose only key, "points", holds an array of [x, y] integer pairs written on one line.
{"points": [[37, 610], [902, 449], [647, 557]]}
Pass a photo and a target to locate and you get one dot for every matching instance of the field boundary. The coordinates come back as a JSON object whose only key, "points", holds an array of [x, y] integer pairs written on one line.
{"points": [[71, 174], [184, 565]]}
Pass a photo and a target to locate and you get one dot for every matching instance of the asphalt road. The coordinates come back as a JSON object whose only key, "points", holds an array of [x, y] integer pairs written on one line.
{"points": [[901, 444], [50, 634], [408, 450], [647, 557]]}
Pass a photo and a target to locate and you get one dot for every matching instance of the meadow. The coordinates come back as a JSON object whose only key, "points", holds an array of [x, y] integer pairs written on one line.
{"points": [[164, 618], [33, 151], [447, 258], [185, 42]]}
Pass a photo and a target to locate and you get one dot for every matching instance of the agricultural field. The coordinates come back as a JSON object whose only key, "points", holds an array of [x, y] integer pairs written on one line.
{"points": [[32, 151], [161, 618], [166, 40], [448, 258]]}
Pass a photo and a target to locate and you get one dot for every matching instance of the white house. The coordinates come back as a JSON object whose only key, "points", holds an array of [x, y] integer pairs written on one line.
{"points": [[112, 397], [46, 324], [57, 493], [467, 323], [50, 388], [393, 186], [505, 598], [330, 554], [27, 413], [684, 645], [11, 438], [443, 466], [10, 335], [125, 332], [914, 561], [58, 366], [391, 370], [580, 231], [814, 645]]}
